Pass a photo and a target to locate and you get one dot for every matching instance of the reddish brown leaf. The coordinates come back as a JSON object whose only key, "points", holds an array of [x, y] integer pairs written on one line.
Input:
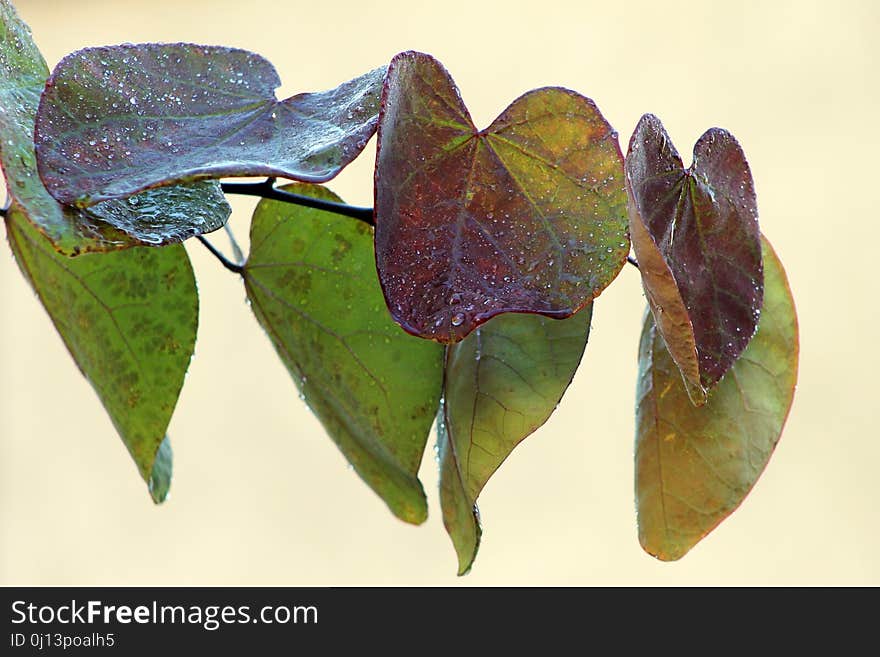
{"points": [[117, 120], [154, 217], [528, 215], [695, 233]]}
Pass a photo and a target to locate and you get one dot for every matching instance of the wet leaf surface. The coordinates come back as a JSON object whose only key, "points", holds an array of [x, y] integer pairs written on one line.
{"points": [[117, 120], [695, 465], [311, 281], [695, 234], [501, 383], [155, 217], [528, 215], [129, 320]]}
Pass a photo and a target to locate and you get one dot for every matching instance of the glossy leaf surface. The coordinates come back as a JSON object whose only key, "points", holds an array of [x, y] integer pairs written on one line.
{"points": [[501, 383], [695, 465], [120, 119], [528, 215], [129, 320], [311, 281], [155, 217], [696, 237]]}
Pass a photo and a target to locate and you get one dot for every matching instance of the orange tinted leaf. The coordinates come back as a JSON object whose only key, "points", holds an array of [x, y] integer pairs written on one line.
{"points": [[695, 465], [528, 215]]}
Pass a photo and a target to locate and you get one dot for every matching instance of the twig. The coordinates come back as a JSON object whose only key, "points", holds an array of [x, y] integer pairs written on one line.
{"points": [[236, 249], [231, 266], [267, 189]]}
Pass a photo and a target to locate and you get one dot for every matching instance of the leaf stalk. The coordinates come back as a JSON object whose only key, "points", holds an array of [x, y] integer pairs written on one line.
{"points": [[266, 189], [231, 266]]}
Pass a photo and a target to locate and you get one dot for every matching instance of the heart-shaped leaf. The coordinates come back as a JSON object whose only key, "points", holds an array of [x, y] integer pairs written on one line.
{"points": [[154, 217], [120, 119], [129, 320], [311, 281], [501, 383], [528, 215], [695, 234], [695, 465]]}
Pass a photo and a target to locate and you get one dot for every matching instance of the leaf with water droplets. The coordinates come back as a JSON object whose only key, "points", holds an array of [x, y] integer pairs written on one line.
{"points": [[311, 281], [128, 319], [528, 215], [501, 383], [148, 115], [154, 217], [695, 234], [695, 465]]}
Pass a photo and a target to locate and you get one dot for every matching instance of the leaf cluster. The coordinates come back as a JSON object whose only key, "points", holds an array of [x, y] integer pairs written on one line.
{"points": [[464, 299]]}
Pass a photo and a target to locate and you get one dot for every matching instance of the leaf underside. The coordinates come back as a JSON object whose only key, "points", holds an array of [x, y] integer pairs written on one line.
{"points": [[117, 120], [311, 281], [695, 465], [155, 217], [501, 383], [695, 234], [528, 215], [128, 319]]}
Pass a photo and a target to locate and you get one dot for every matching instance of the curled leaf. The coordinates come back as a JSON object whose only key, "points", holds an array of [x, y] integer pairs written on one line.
{"points": [[154, 217], [695, 465], [311, 281], [501, 384], [117, 120], [695, 234], [528, 215]]}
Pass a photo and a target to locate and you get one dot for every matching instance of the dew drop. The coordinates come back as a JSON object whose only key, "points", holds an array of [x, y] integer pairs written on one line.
{"points": [[457, 319]]}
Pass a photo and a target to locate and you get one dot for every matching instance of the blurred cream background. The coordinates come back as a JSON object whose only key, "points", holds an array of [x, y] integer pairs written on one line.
{"points": [[262, 496]]}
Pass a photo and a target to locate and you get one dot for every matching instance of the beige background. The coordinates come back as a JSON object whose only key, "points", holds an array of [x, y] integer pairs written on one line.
{"points": [[261, 496]]}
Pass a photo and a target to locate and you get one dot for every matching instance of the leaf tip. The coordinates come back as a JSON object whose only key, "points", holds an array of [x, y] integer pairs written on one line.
{"points": [[159, 481], [467, 551], [415, 510], [667, 552]]}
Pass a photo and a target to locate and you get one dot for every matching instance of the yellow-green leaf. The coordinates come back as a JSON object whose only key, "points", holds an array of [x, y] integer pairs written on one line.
{"points": [[695, 465], [501, 384], [311, 280], [129, 320]]}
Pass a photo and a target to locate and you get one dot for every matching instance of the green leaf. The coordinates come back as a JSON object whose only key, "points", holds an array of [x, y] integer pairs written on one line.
{"points": [[695, 465], [528, 215], [501, 383], [147, 115], [129, 320], [695, 234], [155, 217], [311, 281]]}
